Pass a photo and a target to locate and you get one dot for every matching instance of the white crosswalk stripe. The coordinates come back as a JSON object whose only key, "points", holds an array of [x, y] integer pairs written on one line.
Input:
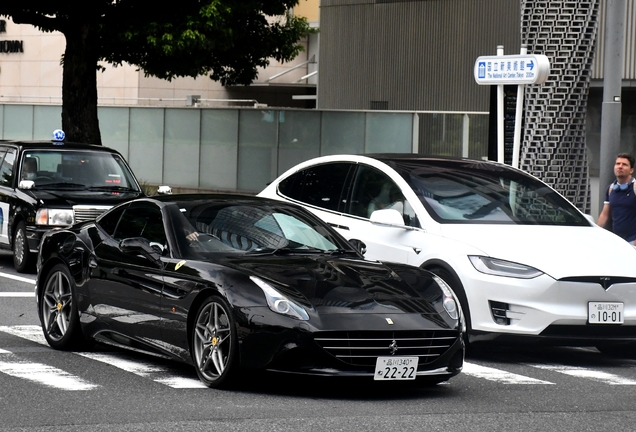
{"points": [[580, 372], [499, 376], [40, 373], [159, 374], [162, 373]]}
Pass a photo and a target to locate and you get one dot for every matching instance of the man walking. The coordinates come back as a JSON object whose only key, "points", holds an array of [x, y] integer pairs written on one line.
{"points": [[620, 200]]}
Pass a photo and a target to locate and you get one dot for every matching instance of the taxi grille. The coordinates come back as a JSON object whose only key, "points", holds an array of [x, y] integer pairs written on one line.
{"points": [[83, 213], [362, 348]]}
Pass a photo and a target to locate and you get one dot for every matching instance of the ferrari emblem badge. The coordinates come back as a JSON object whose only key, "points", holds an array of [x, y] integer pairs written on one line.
{"points": [[59, 306], [179, 264], [389, 320]]}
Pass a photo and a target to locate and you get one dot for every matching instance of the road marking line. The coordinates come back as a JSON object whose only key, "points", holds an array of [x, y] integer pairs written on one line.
{"points": [[18, 278], [17, 294], [47, 375], [580, 372], [157, 373], [28, 332], [498, 375]]}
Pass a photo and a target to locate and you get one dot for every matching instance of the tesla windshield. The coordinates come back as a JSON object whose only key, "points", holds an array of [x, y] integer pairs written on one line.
{"points": [[469, 192]]}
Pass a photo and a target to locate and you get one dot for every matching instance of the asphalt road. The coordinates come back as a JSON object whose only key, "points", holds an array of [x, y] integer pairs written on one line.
{"points": [[512, 389]]}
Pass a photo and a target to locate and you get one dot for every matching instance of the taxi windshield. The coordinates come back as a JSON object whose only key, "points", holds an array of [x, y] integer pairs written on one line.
{"points": [[77, 169]]}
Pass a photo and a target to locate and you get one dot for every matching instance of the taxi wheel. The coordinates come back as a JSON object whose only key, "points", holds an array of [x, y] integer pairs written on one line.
{"points": [[23, 259], [58, 311], [214, 343]]}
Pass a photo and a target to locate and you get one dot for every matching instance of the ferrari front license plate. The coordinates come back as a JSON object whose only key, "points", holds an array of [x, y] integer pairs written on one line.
{"points": [[395, 368], [605, 313]]}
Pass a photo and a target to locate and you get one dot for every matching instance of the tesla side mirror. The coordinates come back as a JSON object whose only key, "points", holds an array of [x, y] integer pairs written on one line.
{"points": [[389, 217], [358, 245]]}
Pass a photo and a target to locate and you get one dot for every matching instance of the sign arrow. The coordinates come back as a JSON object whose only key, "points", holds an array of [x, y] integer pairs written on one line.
{"points": [[531, 64]]}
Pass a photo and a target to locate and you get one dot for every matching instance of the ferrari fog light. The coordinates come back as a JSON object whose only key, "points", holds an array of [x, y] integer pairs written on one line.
{"points": [[278, 303], [54, 217], [497, 267]]}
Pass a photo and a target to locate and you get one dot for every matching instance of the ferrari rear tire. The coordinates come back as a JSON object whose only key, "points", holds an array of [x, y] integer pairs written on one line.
{"points": [[23, 259], [58, 310], [215, 343]]}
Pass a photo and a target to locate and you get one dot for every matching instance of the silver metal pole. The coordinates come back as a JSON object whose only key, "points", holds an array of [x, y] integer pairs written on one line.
{"points": [[612, 82]]}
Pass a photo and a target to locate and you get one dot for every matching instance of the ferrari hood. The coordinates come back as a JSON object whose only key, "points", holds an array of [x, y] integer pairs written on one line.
{"points": [[324, 283], [555, 250]]}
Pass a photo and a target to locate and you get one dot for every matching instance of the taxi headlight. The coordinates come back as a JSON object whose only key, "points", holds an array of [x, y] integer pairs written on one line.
{"points": [[54, 217]]}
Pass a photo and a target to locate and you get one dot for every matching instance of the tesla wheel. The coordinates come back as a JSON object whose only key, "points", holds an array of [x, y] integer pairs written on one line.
{"points": [[23, 259], [214, 343], [58, 310]]}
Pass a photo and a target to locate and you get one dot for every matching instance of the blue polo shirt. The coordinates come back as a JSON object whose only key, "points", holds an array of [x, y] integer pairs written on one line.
{"points": [[623, 211]]}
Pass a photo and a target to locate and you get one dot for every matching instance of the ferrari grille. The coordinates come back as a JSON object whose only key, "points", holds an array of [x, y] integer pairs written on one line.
{"points": [[83, 213], [362, 348]]}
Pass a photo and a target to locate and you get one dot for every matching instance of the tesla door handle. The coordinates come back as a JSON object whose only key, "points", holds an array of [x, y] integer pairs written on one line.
{"points": [[339, 226]]}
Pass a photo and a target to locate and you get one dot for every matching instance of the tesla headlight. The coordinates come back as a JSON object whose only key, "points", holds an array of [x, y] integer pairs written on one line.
{"points": [[54, 217], [279, 303], [497, 267], [449, 301]]}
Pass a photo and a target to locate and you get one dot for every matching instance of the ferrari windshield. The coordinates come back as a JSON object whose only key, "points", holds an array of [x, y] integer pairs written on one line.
{"points": [[246, 227], [457, 192]]}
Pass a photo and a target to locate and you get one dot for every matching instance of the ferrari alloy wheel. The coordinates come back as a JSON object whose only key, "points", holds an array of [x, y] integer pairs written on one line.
{"points": [[58, 310], [22, 257], [214, 343]]}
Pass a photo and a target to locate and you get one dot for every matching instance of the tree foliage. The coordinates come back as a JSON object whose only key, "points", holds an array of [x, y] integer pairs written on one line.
{"points": [[225, 39]]}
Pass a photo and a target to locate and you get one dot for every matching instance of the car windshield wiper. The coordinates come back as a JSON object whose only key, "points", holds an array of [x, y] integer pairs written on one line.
{"points": [[113, 188], [341, 252], [60, 184]]}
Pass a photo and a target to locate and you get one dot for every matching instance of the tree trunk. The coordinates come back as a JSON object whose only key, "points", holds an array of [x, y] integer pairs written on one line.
{"points": [[79, 87]]}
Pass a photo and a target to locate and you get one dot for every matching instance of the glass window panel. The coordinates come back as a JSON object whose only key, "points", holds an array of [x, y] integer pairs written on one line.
{"points": [[342, 133], [299, 138], [18, 122], [114, 126], [389, 133], [258, 130], [46, 120], [182, 147], [146, 144], [219, 148]]}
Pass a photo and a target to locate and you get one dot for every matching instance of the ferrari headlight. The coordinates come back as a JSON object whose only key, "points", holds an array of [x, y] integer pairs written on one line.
{"points": [[279, 303], [54, 217], [449, 301], [497, 267]]}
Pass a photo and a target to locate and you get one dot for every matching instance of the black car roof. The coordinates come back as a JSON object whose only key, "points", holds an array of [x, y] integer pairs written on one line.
{"points": [[57, 145], [211, 197]]}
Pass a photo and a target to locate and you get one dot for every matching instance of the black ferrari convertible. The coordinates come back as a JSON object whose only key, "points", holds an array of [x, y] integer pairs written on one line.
{"points": [[231, 283]]}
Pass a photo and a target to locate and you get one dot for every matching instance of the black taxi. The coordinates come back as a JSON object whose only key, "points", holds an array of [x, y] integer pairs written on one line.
{"points": [[48, 184]]}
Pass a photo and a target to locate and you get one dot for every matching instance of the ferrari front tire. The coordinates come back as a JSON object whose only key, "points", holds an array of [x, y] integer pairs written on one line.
{"points": [[214, 343]]}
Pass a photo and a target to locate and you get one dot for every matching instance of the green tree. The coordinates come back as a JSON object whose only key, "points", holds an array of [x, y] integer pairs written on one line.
{"points": [[225, 39]]}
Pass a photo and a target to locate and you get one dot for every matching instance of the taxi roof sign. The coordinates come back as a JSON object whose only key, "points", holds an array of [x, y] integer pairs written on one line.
{"points": [[512, 69]]}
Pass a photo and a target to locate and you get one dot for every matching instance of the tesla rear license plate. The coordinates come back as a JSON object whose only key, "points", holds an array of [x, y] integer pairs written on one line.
{"points": [[605, 313], [395, 368]]}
